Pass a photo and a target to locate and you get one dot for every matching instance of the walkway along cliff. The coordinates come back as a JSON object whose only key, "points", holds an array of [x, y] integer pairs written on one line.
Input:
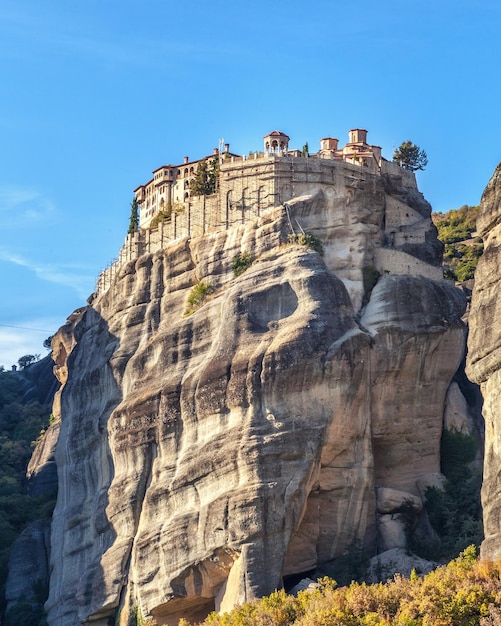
{"points": [[202, 458]]}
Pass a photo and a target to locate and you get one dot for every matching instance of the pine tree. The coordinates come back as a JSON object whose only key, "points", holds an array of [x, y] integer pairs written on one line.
{"points": [[204, 182], [134, 217], [410, 157]]}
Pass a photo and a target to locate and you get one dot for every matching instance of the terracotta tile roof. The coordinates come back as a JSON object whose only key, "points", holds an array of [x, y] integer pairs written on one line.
{"points": [[277, 133]]}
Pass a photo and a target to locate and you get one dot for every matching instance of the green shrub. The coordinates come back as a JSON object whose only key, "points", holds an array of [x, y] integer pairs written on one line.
{"points": [[346, 567], [241, 263], [455, 512], [198, 296], [308, 240], [162, 216], [457, 450]]}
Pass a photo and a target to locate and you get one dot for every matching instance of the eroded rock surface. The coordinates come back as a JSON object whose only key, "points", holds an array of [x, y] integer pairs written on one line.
{"points": [[484, 356], [203, 458]]}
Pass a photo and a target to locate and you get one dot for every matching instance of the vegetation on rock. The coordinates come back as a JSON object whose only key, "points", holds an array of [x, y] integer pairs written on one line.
{"points": [[456, 230], [308, 240], [241, 263], [198, 295]]}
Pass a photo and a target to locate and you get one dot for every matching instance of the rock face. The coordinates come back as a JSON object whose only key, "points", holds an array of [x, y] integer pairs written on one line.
{"points": [[202, 458], [484, 356], [28, 564]]}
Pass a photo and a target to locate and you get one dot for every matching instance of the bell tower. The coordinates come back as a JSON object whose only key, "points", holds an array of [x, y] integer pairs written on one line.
{"points": [[357, 135], [276, 142]]}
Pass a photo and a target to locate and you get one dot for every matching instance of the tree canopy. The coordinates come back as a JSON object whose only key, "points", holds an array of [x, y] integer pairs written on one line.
{"points": [[204, 182], [27, 359], [410, 157]]}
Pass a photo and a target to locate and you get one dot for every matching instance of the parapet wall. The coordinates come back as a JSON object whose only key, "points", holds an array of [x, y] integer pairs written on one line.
{"points": [[390, 261]]}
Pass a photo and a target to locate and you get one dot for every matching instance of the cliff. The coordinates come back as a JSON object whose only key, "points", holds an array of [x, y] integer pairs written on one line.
{"points": [[202, 458], [484, 356]]}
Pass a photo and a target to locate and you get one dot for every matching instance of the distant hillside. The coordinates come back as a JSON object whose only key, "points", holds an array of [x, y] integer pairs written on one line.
{"points": [[25, 405], [457, 231]]}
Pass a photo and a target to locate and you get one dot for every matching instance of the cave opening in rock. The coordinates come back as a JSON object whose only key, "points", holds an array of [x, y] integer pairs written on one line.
{"points": [[291, 580]]}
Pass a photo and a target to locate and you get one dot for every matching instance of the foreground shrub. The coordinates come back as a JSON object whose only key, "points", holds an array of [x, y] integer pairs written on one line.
{"points": [[463, 593]]}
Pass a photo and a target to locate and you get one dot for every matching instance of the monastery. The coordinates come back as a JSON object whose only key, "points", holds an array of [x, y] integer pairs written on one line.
{"points": [[248, 185], [243, 187]]}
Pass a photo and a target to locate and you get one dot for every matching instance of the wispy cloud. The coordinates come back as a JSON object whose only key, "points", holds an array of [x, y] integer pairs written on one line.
{"points": [[77, 277], [18, 205]]}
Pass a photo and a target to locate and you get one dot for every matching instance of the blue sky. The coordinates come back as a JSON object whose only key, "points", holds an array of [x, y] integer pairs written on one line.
{"points": [[97, 94]]}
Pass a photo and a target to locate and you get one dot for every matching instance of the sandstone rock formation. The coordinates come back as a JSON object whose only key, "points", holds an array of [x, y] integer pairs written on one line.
{"points": [[203, 458], [484, 356]]}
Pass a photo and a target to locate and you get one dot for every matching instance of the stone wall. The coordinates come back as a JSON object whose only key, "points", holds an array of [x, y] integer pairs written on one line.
{"points": [[390, 261]]}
